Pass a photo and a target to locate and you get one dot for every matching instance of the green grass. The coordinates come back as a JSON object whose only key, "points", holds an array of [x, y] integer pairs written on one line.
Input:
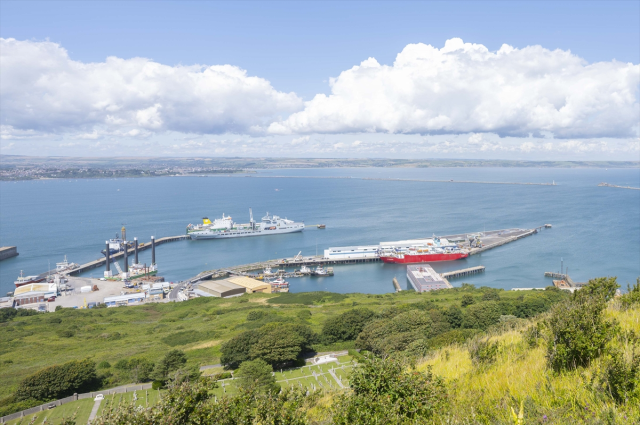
{"points": [[146, 398], [28, 344], [54, 416]]}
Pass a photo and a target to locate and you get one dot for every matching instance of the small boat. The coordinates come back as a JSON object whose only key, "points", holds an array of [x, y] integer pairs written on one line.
{"points": [[304, 270], [322, 226], [320, 271], [25, 280], [267, 271]]}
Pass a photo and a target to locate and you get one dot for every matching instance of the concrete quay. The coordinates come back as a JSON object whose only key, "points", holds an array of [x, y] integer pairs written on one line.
{"points": [[8, 252]]}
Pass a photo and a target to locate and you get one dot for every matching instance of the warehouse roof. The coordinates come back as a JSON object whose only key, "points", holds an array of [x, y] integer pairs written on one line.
{"points": [[220, 285], [35, 287], [249, 283]]}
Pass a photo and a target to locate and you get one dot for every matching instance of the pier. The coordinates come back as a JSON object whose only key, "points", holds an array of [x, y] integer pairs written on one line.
{"points": [[463, 272], [618, 187], [8, 252], [114, 257]]}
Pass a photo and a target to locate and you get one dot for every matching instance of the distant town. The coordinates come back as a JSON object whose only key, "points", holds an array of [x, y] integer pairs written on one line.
{"points": [[18, 167]]}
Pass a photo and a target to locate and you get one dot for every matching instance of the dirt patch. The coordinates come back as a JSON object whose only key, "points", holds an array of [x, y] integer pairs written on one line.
{"points": [[205, 345]]}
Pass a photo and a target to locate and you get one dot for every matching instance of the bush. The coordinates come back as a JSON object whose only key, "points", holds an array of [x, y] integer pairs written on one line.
{"points": [[346, 326], [257, 375], [236, 350], [65, 333], [256, 315], [157, 385], [483, 352], [304, 314], [385, 392], [481, 315], [454, 316], [578, 329], [622, 377], [7, 314], [628, 300], [59, 381], [104, 365], [467, 300], [171, 362]]}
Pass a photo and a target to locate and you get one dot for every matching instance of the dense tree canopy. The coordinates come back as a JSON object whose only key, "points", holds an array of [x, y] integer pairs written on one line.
{"points": [[59, 381]]}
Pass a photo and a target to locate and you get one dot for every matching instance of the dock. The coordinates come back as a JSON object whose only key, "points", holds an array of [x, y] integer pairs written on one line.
{"points": [[114, 257], [463, 272]]}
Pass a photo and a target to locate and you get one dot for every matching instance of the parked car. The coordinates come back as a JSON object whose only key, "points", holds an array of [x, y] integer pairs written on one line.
{"points": [[99, 397], [51, 299]]}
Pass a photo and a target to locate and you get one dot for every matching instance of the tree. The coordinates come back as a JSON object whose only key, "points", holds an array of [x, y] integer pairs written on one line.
{"points": [[171, 362], [257, 374], [140, 369], [632, 297], [236, 350], [454, 316], [346, 326], [467, 300], [276, 347], [59, 381]]}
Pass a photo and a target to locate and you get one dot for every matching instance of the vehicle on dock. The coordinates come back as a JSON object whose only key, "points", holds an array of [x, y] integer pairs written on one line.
{"points": [[25, 280], [225, 227], [421, 251]]}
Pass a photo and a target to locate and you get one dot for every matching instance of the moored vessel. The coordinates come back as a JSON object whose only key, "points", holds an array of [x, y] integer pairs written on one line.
{"points": [[25, 280], [225, 227], [422, 251]]}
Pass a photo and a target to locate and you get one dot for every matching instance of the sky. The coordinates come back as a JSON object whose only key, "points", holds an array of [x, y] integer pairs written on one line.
{"points": [[479, 80]]}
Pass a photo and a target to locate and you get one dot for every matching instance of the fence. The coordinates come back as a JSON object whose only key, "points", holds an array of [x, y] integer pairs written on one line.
{"points": [[74, 397]]}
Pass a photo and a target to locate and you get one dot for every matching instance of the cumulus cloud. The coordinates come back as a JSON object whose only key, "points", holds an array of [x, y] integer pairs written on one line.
{"points": [[463, 88], [43, 90]]}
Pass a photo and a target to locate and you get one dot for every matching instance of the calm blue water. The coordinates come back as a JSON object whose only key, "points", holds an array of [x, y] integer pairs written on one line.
{"points": [[596, 230]]}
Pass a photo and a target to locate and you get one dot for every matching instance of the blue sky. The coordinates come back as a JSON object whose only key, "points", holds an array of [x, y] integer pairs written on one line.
{"points": [[296, 48]]}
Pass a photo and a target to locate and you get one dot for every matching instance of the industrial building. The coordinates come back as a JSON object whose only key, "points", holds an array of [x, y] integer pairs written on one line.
{"points": [[126, 299], [220, 288], [423, 278], [352, 252], [34, 293], [251, 285]]}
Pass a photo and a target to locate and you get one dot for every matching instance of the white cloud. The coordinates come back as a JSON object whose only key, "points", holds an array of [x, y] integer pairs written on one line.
{"points": [[464, 87], [299, 140], [43, 90]]}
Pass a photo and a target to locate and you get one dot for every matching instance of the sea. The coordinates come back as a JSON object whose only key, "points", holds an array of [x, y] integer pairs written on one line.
{"points": [[596, 230]]}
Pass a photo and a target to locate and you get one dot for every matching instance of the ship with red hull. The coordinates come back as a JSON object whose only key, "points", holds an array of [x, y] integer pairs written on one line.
{"points": [[421, 251], [412, 258]]}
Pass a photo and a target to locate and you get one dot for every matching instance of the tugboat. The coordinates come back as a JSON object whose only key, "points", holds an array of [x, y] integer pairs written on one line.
{"points": [[320, 271]]}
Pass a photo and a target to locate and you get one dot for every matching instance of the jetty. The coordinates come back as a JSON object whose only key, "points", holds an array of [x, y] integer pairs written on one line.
{"points": [[8, 252], [114, 257], [619, 187], [463, 272]]}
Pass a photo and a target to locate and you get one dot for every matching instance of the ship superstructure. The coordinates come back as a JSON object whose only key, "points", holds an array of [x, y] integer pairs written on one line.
{"points": [[225, 227]]}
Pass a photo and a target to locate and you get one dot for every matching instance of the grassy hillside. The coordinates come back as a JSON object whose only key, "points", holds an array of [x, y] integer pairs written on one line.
{"points": [[198, 327]]}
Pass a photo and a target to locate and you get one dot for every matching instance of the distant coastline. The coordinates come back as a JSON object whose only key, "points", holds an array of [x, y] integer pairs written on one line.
{"points": [[18, 167]]}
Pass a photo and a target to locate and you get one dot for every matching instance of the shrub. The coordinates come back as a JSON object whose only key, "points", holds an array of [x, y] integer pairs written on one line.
{"points": [[104, 365], [157, 385], [346, 326], [578, 329], [481, 315], [622, 377], [304, 314], [628, 300], [59, 381], [7, 314], [171, 362], [257, 375], [467, 300], [456, 336], [454, 316], [483, 352], [385, 392], [256, 315], [65, 333]]}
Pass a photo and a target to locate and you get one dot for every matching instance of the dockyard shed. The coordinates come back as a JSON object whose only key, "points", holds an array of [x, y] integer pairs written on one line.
{"points": [[251, 285], [34, 293], [126, 299], [423, 278], [221, 288]]}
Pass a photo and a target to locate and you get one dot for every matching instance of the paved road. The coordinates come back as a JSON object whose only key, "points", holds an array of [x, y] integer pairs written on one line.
{"points": [[94, 411], [173, 295]]}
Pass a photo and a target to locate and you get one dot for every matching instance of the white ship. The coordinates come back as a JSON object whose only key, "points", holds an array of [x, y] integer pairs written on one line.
{"points": [[225, 227]]}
